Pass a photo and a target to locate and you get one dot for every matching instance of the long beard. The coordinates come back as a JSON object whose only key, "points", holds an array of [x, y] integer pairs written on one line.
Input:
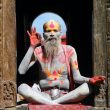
{"points": [[51, 48]]}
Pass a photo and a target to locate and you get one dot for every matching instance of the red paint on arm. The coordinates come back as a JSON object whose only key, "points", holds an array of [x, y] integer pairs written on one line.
{"points": [[70, 52]]}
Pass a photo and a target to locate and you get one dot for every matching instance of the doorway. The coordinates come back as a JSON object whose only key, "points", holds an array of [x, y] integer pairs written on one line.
{"points": [[78, 19]]}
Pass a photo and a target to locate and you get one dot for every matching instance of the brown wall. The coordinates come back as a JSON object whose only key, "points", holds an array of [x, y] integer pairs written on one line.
{"points": [[99, 47], [7, 53]]}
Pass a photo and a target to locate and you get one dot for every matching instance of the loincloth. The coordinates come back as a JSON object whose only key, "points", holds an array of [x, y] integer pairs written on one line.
{"points": [[55, 92]]}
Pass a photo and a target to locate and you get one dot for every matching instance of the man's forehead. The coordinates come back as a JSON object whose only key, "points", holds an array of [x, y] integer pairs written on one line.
{"points": [[51, 24]]}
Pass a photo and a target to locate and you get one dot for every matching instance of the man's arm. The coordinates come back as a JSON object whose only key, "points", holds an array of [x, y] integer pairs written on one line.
{"points": [[78, 78], [96, 80], [26, 63]]}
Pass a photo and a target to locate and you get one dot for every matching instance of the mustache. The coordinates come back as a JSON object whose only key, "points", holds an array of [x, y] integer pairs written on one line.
{"points": [[48, 39]]}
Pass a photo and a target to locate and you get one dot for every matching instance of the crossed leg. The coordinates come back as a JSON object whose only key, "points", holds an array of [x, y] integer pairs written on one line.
{"points": [[33, 96], [38, 97], [76, 95]]}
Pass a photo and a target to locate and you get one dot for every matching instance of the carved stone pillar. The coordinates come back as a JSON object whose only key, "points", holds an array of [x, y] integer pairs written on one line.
{"points": [[99, 47], [108, 51], [1, 52], [7, 53]]}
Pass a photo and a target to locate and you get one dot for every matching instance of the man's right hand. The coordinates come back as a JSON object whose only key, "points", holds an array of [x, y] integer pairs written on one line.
{"points": [[35, 38]]}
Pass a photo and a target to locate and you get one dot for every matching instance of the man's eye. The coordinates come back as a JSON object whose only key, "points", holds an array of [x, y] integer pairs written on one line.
{"points": [[48, 30], [55, 30]]}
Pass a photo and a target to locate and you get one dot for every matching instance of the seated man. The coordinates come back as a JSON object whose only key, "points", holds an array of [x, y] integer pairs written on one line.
{"points": [[54, 61]]}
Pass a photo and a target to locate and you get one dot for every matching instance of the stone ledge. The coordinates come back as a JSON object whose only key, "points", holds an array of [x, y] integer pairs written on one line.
{"points": [[60, 107], [22, 107], [55, 107]]}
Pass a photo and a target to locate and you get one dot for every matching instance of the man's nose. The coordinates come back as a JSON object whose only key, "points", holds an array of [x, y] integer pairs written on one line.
{"points": [[52, 34]]}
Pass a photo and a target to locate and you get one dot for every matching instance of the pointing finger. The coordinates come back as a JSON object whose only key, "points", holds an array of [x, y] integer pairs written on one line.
{"points": [[29, 33], [34, 30]]}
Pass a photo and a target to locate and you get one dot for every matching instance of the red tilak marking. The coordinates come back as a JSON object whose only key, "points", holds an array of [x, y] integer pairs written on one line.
{"points": [[52, 25]]}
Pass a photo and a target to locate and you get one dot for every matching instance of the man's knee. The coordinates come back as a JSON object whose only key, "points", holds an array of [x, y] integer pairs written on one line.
{"points": [[23, 89], [86, 89]]}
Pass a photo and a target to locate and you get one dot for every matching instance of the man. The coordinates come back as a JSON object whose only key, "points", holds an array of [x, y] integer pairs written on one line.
{"points": [[55, 61]]}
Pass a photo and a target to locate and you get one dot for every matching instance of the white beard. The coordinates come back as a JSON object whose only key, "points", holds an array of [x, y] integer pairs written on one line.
{"points": [[51, 48]]}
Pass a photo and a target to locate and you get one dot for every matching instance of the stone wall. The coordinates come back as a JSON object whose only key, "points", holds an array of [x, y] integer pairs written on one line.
{"points": [[101, 52], [99, 48], [108, 52], [7, 53]]}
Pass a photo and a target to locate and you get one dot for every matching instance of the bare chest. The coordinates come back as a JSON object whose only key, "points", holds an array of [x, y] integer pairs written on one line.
{"points": [[54, 68]]}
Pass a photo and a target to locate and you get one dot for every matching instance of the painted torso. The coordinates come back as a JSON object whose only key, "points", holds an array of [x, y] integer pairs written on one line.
{"points": [[54, 70]]}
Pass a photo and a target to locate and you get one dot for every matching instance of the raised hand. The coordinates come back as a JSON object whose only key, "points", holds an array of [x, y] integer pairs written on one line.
{"points": [[35, 38], [97, 80]]}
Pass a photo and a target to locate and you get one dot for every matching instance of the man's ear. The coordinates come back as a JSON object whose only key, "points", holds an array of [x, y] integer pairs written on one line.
{"points": [[44, 36], [61, 33]]}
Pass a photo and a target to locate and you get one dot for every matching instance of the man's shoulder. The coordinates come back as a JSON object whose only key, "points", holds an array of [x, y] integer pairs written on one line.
{"points": [[69, 50], [68, 47]]}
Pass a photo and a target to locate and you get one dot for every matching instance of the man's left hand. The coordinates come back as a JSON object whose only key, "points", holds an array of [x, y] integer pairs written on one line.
{"points": [[97, 80]]}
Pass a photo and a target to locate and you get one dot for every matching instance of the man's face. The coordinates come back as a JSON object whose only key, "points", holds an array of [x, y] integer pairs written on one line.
{"points": [[52, 31], [52, 37]]}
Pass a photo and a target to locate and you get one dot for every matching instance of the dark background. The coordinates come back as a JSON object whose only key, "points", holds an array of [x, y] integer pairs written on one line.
{"points": [[77, 15]]}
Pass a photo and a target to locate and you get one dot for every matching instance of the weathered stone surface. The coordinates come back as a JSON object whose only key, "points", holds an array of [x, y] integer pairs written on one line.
{"points": [[108, 92], [22, 107], [107, 108], [9, 40], [1, 52], [11, 108], [108, 59], [108, 54], [7, 53], [99, 47], [108, 71], [8, 93], [108, 22], [99, 108]]}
